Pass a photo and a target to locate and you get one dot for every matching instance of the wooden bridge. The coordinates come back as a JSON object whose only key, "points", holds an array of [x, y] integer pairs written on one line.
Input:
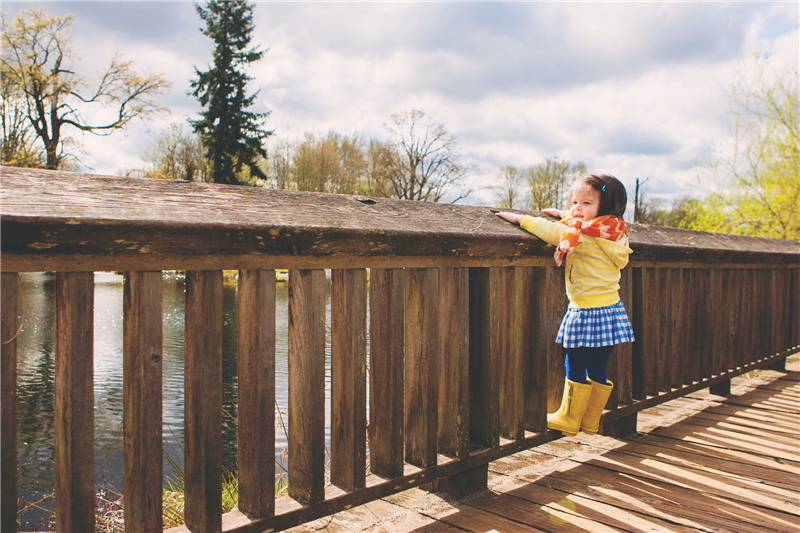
{"points": [[700, 463], [458, 353]]}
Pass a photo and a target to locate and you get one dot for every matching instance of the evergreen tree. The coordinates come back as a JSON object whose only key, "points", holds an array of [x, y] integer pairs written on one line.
{"points": [[232, 136]]}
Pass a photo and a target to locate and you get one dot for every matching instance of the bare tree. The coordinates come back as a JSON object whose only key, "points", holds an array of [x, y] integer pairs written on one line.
{"points": [[36, 61], [423, 161], [177, 154], [550, 181], [507, 191]]}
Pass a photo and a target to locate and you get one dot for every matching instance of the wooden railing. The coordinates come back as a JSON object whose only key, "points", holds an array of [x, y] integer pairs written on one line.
{"points": [[461, 361]]}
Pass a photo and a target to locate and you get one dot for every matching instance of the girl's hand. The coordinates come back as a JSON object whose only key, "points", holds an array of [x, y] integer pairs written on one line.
{"points": [[552, 212], [511, 217]]}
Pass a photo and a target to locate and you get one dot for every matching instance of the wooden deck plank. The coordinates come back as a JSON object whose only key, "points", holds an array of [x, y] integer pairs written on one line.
{"points": [[703, 463]]}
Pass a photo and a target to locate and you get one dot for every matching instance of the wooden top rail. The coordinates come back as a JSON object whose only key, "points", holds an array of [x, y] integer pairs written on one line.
{"points": [[71, 221]]}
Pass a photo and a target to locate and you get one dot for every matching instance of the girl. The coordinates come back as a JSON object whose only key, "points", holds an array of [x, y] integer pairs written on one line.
{"points": [[591, 235]]}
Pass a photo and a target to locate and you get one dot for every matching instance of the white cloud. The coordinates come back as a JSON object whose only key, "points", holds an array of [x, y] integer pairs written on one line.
{"points": [[635, 89]]}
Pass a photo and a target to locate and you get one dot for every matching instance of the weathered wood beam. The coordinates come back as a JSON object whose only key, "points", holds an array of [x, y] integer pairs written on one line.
{"points": [[71, 221]]}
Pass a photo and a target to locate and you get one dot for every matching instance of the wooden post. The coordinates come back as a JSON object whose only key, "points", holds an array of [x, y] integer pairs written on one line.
{"points": [[8, 423], [555, 309], [307, 385], [665, 355], [421, 365], [142, 362], [453, 388], [533, 315], [484, 424], [349, 378], [509, 342], [256, 392], [203, 402], [74, 405], [386, 338]]}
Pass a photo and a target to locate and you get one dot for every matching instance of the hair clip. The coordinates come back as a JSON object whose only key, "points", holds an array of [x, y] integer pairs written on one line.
{"points": [[604, 188]]}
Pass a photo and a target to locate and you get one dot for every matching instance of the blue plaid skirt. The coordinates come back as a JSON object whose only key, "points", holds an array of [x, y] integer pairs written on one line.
{"points": [[598, 326]]}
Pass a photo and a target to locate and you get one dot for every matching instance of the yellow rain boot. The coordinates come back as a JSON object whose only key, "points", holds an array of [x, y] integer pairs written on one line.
{"points": [[590, 422], [567, 419]]}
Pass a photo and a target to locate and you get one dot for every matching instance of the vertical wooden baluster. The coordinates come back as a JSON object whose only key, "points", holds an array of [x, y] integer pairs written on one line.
{"points": [[795, 307], [732, 307], [203, 400], [556, 308], [717, 320], [142, 355], [676, 326], [689, 311], [622, 358], [533, 315], [307, 385], [349, 378], [8, 423], [664, 357], [484, 424], [386, 356], [645, 323], [421, 364], [74, 402], [256, 392], [703, 325], [510, 358], [453, 388]]}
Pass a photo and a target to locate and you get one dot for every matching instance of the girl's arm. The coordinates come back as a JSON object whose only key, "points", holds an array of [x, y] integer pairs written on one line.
{"points": [[549, 232]]}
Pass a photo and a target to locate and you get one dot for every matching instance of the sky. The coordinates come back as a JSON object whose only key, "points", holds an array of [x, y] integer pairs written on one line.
{"points": [[634, 89]]}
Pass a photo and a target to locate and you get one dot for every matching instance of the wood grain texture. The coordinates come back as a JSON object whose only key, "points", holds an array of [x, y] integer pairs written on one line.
{"points": [[421, 365], [534, 348], [203, 400], [142, 361], [141, 224], [620, 366], [484, 422], [8, 402], [510, 374], [348, 378], [555, 309], [386, 382], [645, 327], [664, 357], [307, 385], [795, 302], [256, 411], [74, 402], [453, 372]]}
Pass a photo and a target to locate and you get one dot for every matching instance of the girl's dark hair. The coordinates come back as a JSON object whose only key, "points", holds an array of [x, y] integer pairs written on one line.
{"points": [[613, 196]]}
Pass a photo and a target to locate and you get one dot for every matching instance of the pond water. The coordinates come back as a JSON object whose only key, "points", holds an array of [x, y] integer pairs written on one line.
{"points": [[36, 391]]}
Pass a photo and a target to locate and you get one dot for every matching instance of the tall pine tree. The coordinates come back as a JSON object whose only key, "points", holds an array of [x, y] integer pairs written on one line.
{"points": [[232, 136]]}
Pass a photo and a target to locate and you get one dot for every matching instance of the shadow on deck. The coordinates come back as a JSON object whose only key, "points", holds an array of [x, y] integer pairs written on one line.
{"points": [[698, 463]]}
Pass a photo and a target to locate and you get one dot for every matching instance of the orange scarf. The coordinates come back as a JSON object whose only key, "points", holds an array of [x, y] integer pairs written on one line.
{"points": [[606, 227]]}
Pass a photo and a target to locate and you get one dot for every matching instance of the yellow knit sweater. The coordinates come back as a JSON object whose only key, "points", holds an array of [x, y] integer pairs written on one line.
{"points": [[592, 270]]}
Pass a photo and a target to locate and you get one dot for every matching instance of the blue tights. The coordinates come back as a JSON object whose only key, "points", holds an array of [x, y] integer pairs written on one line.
{"points": [[584, 361]]}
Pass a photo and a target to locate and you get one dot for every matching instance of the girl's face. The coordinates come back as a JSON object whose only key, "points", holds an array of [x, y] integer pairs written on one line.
{"points": [[585, 202]]}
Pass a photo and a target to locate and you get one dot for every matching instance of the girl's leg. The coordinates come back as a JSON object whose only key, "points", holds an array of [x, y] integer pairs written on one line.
{"points": [[596, 365], [577, 362]]}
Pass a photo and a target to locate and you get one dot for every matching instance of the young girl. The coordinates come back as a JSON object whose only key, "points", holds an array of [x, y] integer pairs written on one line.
{"points": [[591, 235]]}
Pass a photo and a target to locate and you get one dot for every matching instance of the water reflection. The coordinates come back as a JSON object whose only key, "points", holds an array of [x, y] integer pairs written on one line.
{"points": [[36, 370]]}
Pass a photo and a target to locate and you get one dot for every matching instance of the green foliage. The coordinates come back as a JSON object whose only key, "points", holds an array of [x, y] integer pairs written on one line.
{"points": [[754, 174], [37, 67], [232, 136]]}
